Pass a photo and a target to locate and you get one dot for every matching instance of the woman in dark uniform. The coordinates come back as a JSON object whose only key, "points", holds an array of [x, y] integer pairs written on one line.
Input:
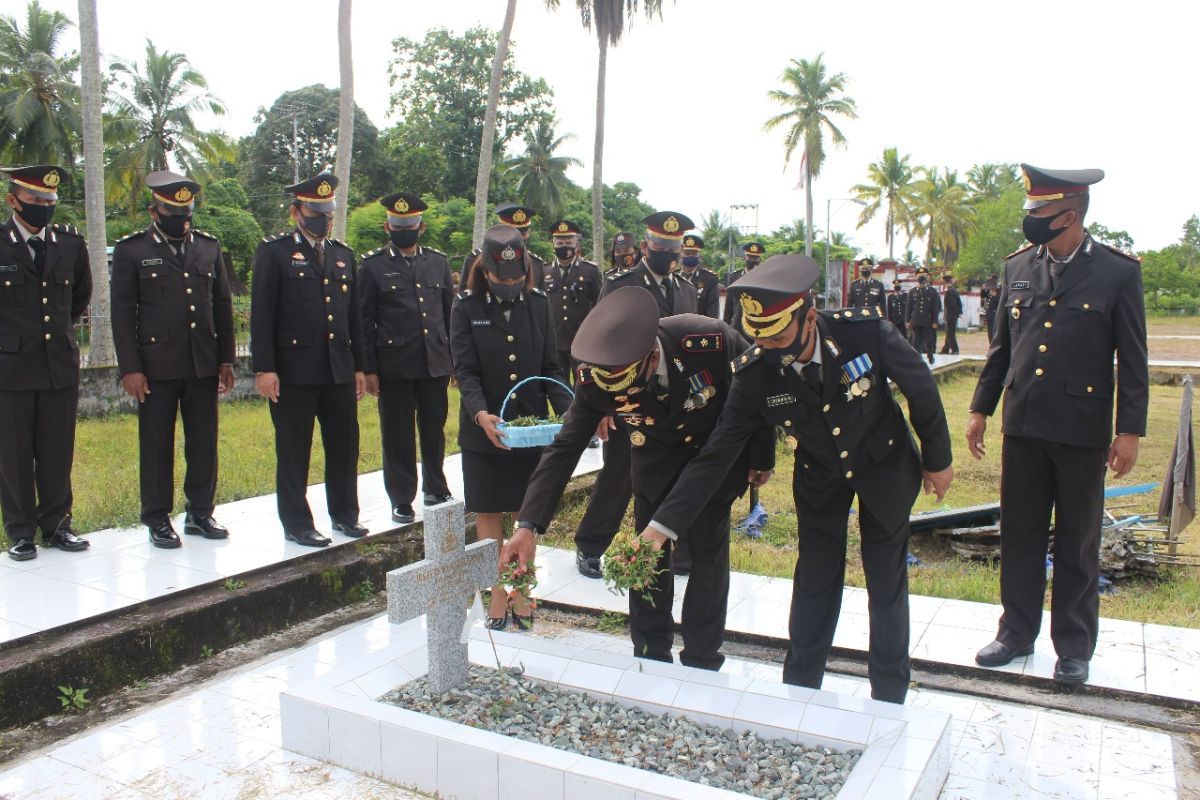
{"points": [[501, 333]]}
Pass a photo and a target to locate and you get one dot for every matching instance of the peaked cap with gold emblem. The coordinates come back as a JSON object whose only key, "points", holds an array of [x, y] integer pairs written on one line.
{"points": [[316, 192], [404, 209], [617, 336], [173, 189], [41, 179], [771, 293]]}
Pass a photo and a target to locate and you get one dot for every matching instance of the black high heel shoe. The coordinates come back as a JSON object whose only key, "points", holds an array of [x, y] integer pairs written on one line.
{"points": [[524, 624], [498, 623]]}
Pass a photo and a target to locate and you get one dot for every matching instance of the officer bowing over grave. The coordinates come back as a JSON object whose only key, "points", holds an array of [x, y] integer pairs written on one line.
{"points": [[573, 286], [172, 320], [407, 293], [667, 380], [823, 377]]}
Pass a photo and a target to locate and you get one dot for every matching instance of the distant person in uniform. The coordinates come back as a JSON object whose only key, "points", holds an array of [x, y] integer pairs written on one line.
{"points": [[867, 291], [823, 376], [501, 333], [521, 218], [306, 345], [1068, 304], [172, 321], [924, 307], [989, 301], [752, 257], [624, 255], [897, 307], [407, 292], [573, 286], [952, 309], [45, 286], [707, 283]]}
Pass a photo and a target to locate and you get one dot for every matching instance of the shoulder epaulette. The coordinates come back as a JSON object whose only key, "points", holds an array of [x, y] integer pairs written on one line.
{"points": [[370, 253], [338, 242], [65, 227], [464, 294], [745, 359], [1116, 251], [536, 257], [133, 235], [583, 375], [704, 342], [539, 292], [585, 261], [434, 250], [204, 234], [855, 314], [276, 237], [1018, 252]]}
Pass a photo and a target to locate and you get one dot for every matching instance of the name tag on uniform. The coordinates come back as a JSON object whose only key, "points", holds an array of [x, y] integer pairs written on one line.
{"points": [[776, 400], [151, 262], [391, 274], [8, 267], [481, 323], [1019, 285]]}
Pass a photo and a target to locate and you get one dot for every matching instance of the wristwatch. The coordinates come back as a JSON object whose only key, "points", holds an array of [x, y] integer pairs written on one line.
{"points": [[533, 526]]}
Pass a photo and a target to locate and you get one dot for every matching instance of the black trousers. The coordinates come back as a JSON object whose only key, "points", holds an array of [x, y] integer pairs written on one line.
{"points": [[335, 407], [37, 447], [610, 496], [704, 602], [195, 400], [407, 407], [567, 365], [817, 594], [1038, 476], [991, 323], [951, 343], [924, 338]]}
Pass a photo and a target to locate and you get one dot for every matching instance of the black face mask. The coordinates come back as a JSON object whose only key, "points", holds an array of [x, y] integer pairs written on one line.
{"points": [[564, 253], [505, 292], [661, 261], [404, 238], [751, 263], [690, 262], [627, 260], [777, 356], [316, 227], [174, 226], [866, 275], [36, 216], [1037, 229], [922, 280]]}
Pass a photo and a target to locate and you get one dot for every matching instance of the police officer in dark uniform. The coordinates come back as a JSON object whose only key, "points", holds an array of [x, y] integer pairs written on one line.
{"points": [[989, 301], [865, 291], [624, 255], [654, 272], [172, 321], [45, 286], [897, 307], [573, 286], [924, 306], [306, 345], [407, 293], [823, 376], [952, 310], [519, 217], [753, 253], [667, 379], [1067, 305], [707, 283]]}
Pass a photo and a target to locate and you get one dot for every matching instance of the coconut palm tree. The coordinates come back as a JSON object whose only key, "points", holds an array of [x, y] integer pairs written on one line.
{"points": [[988, 181], [892, 184], [483, 177], [92, 101], [540, 173], [943, 214], [345, 134], [39, 99], [608, 18], [812, 99], [153, 118]]}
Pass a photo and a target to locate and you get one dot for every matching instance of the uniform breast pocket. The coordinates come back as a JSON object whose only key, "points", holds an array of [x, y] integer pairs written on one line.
{"points": [[151, 279], [12, 279], [1018, 305], [1089, 314], [206, 274], [65, 284], [298, 281]]}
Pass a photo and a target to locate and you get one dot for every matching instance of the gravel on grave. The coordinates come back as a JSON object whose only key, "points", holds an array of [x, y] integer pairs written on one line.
{"points": [[568, 719]]}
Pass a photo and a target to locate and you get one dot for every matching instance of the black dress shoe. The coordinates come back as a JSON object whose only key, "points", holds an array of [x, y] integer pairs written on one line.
{"points": [[403, 515], [588, 566], [1071, 670], [163, 535], [309, 538], [65, 539], [204, 525], [594, 443], [437, 499], [997, 654], [22, 549], [355, 530]]}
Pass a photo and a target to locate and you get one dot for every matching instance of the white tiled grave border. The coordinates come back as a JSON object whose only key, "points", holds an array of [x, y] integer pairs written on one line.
{"points": [[337, 718]]}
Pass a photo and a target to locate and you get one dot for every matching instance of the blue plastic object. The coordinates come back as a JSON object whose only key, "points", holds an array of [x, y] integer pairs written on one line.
{"points": [[531, 435], [754, 522]]}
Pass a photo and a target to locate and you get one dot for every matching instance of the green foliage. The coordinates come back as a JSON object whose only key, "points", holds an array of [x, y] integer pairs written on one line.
{"points": [[363, 590], [206, 651], [448, 227], [233, 584], [943, 214], [227, 192], [1118, 239], [413, 166], [238, 231], [611, 622], [1171, 277], [989, 181], [997, 233], [891, 187], [811, 99], [364, 228], [541, 173], [73, 699], [39, 96]]}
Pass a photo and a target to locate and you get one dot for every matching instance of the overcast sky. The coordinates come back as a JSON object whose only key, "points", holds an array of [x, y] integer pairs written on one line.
{"points": [[1057, 84]]}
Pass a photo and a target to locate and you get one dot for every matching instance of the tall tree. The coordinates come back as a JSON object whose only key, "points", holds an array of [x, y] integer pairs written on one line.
{"points": [[609, 19], [487, 140], [997, 233], [891, 185], [812, 99], [93, 180], [39, 99], [541, 173], [943, 214], [989, 180], [153, 116], [345, 134]]}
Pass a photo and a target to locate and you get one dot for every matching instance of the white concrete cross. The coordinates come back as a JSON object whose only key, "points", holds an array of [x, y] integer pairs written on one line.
{"points": [[441, 587]]}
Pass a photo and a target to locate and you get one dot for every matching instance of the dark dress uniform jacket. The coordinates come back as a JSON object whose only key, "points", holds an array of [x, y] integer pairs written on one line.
{"points": [[306, 319], [733, 312], [708, 293], [952, 304], [924, 306], [674, 429], [863, 441], [897, 308], [172, 315], [574, 291], [491, 354], [38, 310], [406, 313], [683, 299], [1052, 349], [866, 293]]}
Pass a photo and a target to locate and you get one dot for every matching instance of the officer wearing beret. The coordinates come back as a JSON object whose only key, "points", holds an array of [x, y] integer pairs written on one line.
{"points": [[172, 321], [667, 379], [573, 286], [924, 306], [752, 257], [707, 283], [952, 310], [521, 218], [306, 344], [655, 272], [624, 255], [1067, 305], [897, 307], [407, 293], [823, 376], [45, 286], [866, 291]]}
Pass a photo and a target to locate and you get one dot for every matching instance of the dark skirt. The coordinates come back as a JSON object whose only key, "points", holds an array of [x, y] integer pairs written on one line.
{"points": [[496, 482]]}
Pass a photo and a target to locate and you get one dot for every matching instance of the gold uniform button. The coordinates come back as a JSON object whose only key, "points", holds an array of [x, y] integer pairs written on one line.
{"points": [[512, 376], [328, 299], [425, 331], [1039, 372], [687, 438], [46, 318], [186, 275], [510, 337], [1047, 324], [423, 314], [1086, 306], [301, 275], [47, 337], [45, 300], [512, 396], [191, 308], [1091, 389], [331, 336], [564, 319], [850, 473], [152, 340], [826, 408], [420, 299], [189, 290], [1041, 348], [418, 286], [837, 431], [393, 286], [389, 341], [329, 317], [295, 342], [44, 284], [512, 357], [845, 454], [193, 324], [1053, 303], [787, 423], [891, 442], [155, 275]]}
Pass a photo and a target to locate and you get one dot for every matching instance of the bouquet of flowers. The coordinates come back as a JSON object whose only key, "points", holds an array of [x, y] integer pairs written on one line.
{"points": [[631, 565], [520, 582], [532, 420]]}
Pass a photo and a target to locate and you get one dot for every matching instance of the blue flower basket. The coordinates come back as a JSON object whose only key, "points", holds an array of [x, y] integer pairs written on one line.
{"points": [[530, 435]]}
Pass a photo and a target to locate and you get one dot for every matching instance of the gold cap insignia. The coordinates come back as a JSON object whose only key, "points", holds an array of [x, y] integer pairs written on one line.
{"points": [[1025, 179], [750, 305], [519, 216], [562, 226], [508, 254], [401, 205], [324, 189], [51, 179], [671, 225], [689, 242], [183, 195]]}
